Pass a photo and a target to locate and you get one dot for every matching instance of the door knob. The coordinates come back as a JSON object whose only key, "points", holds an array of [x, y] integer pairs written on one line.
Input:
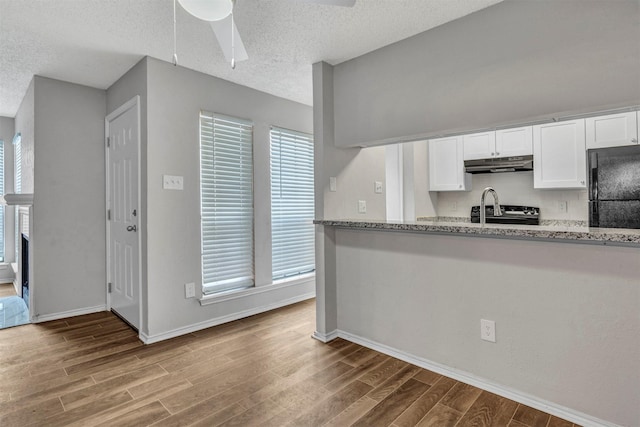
{"points": [[131, 228]]}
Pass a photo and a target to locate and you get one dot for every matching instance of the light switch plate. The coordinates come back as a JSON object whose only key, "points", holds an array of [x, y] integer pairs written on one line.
{"points": [[332, 184], [172, 182], [362, 206], [378, 187]]}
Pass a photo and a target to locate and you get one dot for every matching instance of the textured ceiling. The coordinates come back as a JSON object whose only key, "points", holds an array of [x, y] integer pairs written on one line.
{"points": [[94, 42]]}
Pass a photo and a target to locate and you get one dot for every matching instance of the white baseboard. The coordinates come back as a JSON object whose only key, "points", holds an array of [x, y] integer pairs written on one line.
{"points": [[150, 339], [5, 278], [6, 273], [515, 395], [325, 338], [39, 318]]}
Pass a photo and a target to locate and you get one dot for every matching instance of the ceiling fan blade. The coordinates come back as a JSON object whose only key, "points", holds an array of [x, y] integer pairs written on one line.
{"points": [[345, 3], [222, 30]]}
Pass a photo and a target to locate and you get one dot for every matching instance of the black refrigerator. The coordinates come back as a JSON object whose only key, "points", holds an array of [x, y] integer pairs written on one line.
{"points": [[614, 187]]}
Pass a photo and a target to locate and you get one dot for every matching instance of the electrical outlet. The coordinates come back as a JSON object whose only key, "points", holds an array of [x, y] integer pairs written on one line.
{"points": [[488, 330], [362, 206], [562, 206], [189, 290], [333, 183], [454, 206], [378, 187]]}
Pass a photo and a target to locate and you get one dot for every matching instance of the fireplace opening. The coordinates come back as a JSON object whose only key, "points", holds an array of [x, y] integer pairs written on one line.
{"points": [[25, 269]]}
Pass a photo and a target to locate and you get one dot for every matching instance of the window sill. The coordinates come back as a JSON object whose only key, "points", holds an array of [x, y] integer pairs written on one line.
{"points": [[242, 293]]}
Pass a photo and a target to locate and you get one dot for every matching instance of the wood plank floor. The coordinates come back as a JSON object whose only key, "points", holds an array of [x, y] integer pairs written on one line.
{"points": [[264, 370]]}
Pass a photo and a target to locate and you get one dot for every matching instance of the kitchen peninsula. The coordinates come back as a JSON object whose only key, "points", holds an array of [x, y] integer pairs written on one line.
{"points": [[566, 306], [604, 236]]}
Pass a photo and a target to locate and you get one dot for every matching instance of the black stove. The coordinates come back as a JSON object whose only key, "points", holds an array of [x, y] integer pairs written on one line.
{"points": [[525, 215]]}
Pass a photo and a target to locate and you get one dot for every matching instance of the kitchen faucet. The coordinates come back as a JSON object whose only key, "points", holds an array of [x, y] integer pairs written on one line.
{"points": [[496, 205]]}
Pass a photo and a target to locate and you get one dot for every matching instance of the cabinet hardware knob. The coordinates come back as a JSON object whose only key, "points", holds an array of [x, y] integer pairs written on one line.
{"points": [[634, 140], [493, 154], [497, 154], [460, 186], [582, 182]]}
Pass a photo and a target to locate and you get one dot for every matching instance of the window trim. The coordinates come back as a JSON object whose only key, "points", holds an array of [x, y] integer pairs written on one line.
{"points": [[243, 293]]}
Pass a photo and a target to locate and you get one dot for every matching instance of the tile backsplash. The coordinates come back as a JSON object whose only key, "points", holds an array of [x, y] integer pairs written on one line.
{"points": [[516, 188]]}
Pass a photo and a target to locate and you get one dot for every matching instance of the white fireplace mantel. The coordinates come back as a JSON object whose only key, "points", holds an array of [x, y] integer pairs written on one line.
{"points": [[24, 199]]}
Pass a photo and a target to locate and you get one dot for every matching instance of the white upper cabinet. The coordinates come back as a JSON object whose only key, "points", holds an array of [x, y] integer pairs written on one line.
{"points": [[446, 165], [612, 130], [479, 145], [514, 142], [559, 155], [502, 143]]}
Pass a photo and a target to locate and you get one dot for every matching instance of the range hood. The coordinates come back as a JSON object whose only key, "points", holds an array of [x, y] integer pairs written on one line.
{"points": [[499, 164]]}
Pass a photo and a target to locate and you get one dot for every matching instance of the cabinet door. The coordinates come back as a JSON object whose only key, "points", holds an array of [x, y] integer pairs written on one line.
{"points": [[446, 165], [479, 145], [559, 155], [612, 130], [514, 142]]}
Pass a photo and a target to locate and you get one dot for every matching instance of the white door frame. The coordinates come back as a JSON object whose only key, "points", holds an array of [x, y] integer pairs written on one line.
{"points": [[132, 103]]}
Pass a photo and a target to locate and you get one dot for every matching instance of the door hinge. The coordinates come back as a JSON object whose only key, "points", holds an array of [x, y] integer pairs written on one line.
{"points": [[109, 287], [108, 141], [108, 214]]}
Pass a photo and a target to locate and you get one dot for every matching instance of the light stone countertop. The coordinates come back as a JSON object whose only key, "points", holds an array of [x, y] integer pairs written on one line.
{"points": [[559, 233]]}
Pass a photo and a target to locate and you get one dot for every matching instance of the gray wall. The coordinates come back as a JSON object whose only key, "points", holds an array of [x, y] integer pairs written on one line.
{"points": [[24, 123], [355, 169], [7, 129], [513, 62], [69, 197], [567, 315], [134, 83], [175, 98]]}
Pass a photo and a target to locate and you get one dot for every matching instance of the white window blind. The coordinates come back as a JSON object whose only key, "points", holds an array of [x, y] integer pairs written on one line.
{"points": [[226, 186], [292, 203], [17, 179]]}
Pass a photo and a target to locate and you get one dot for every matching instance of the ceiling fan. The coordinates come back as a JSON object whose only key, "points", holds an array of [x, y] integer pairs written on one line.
{"points": [[219, 14]]}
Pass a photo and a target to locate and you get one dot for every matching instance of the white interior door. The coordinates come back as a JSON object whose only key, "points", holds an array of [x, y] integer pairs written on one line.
{"points": [[123, 259]]}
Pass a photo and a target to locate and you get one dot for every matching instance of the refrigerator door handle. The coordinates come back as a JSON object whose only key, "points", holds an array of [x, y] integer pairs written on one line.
{"points": [[594, 220], [593, 187]]}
